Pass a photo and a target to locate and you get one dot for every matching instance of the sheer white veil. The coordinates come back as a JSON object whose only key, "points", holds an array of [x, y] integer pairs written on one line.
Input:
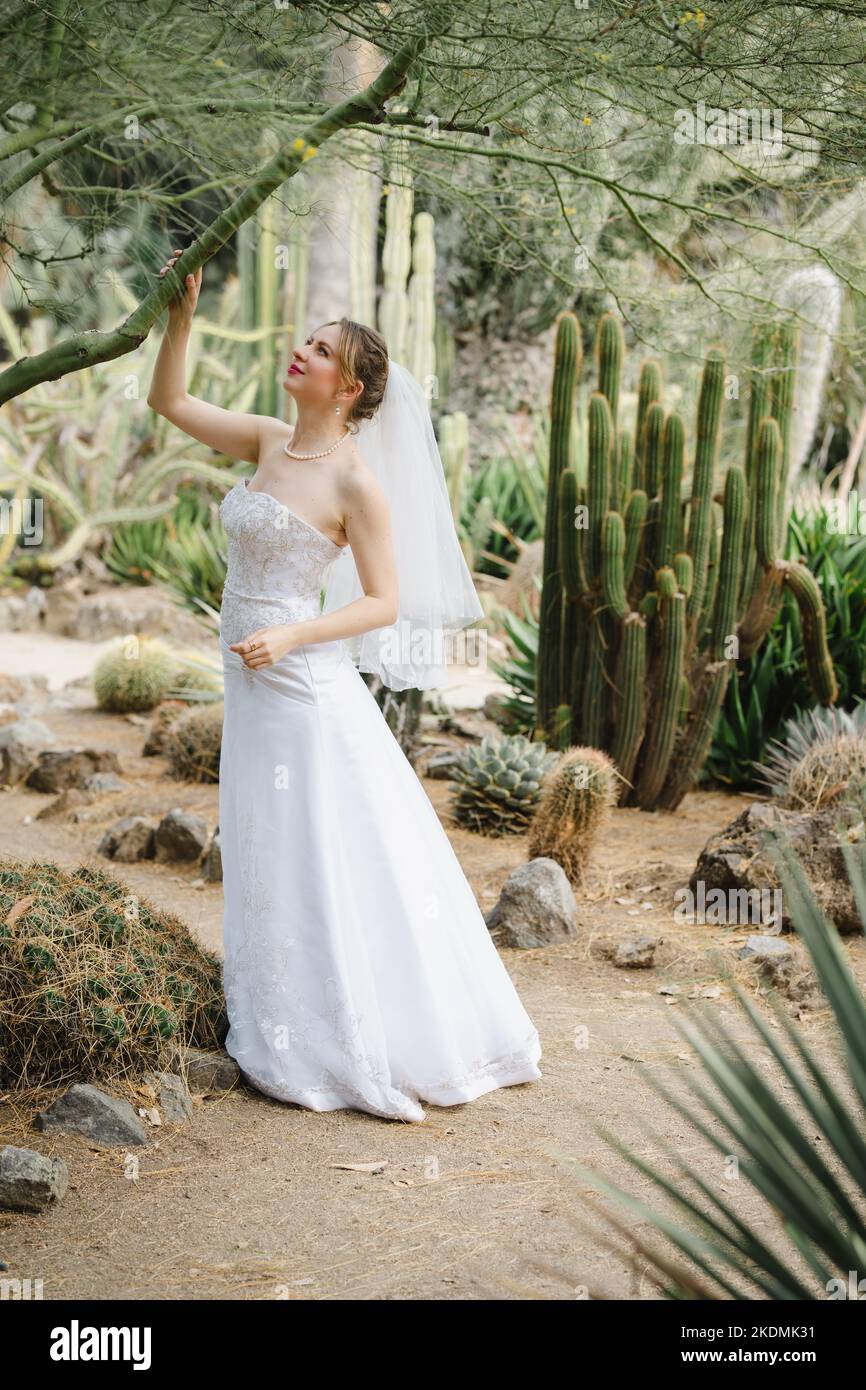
{"points": [[436, 594]]}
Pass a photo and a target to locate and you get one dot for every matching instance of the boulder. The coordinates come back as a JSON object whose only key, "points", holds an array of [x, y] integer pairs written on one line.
{"points": [[536, 907], [104, 1119], [180, 835], [29, 1181], [129, 840], [18, 758], [737, 858], [638, 954], [208, 1071], [70, 767]]}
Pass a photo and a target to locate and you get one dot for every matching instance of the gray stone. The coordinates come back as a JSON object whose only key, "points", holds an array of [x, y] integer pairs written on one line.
{"points": [[105, 782], [763, 946], [70, 767], [212, 861], [173, 1098], [29, 1181], [72, 611], [638, 954], [18, 760], [129, 840], [536, 906], [180, 835], [84, 1109], [30, 731], [209, 1071]]}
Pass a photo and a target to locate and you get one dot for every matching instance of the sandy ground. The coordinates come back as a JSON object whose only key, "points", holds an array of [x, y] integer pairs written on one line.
{"points": [[254, 1199]]}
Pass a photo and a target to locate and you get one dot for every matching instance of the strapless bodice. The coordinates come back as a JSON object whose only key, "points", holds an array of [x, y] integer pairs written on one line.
{"points": [[276, 564]]}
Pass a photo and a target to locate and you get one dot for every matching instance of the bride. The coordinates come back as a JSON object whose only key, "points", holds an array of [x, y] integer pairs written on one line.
{"points": [[359, 972]]}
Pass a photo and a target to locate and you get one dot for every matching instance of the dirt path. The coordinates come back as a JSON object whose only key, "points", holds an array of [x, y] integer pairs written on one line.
{"points": [[249, 1200]]}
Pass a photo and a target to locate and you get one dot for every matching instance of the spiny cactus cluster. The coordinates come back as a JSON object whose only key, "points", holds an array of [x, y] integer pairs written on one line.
{"points": [[192, 743], [135, 672], [644, 610], [574, 803], [498, 784], [94, 980]]}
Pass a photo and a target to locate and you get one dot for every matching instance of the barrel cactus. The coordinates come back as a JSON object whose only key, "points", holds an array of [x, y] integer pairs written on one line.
{"points": [[193, 743], [134, 673], [574, 803], [498, 784], [96, 982], [645, 607]]}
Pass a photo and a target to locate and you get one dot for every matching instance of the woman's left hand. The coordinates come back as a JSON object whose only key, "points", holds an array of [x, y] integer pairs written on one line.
{"points": [[266, 645]]}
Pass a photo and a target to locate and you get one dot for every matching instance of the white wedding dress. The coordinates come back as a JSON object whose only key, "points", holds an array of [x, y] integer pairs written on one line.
{"points": [[359, 972]]}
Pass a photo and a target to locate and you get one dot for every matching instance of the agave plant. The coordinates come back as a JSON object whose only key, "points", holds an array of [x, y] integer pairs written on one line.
{"points": [[802, 736], [808, 1163], [517, 710]]}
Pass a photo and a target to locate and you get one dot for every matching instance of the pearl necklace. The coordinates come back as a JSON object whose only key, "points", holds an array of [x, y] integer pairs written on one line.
{"points": [[320, 455]]}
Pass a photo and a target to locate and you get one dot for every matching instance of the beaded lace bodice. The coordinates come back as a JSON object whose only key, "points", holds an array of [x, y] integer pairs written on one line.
{"points": [[276, 564]]}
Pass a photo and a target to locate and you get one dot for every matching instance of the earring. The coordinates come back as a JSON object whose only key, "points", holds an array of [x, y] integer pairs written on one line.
{"points": [[337, 411]]}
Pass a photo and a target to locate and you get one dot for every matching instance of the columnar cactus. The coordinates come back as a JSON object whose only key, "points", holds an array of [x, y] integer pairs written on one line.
{"points": [[644, 611]]}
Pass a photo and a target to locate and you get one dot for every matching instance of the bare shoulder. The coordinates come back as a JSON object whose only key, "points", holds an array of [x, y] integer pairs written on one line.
{"points": [[361, 493], [273, 431]]}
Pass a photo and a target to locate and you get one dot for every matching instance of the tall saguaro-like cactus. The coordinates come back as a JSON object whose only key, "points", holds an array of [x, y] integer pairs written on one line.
{"points": [[645, 608]]}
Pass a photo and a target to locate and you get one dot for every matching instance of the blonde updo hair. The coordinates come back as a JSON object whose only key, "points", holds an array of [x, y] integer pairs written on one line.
{"points": [[363, 356]]}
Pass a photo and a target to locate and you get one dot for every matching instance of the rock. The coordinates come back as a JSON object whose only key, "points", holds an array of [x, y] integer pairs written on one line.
{"points": [[18, 760], [763, 946], [442, 764], [738, 859], [100, 1117], [209, 1071], [68, 804], [27, 692], [70, 768], [129, 840], [784, 971], [105, 782], [29, 1181], [536, 906], [173, 1098], [212, 861], [638, 954], [30, 731], [180, 836], [114, 612]]}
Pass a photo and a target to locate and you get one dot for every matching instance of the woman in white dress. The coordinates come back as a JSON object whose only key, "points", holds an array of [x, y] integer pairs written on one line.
{"points": [[359, 972]]}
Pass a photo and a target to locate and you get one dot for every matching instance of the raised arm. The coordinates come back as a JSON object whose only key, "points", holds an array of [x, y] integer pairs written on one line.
{"points": [[231, 432]]}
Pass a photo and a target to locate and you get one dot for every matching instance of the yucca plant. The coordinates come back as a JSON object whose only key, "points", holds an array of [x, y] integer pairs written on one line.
{"points": [[808, 1163]]}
